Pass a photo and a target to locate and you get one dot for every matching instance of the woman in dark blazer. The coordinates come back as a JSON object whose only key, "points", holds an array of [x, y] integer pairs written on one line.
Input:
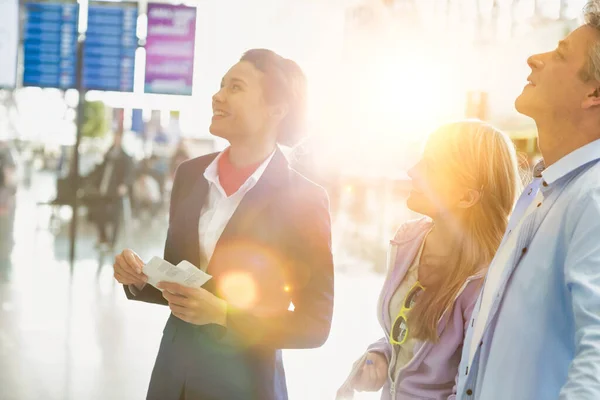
{"points": [[260, 229]]}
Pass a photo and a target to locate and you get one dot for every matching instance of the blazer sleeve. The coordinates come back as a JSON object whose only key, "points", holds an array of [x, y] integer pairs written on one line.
{"points": [[149, 293], [308, 325]]}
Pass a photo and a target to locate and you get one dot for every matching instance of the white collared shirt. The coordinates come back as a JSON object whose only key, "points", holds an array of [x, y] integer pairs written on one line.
{"points": [[218, 208]]}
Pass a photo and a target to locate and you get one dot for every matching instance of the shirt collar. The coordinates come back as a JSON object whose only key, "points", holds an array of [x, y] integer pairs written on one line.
{"points": [[538, 169], [212, 171], [569, 163]]}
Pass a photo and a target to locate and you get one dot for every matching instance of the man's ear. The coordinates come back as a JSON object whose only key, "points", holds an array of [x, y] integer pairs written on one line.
{"points": [[592, 99]]}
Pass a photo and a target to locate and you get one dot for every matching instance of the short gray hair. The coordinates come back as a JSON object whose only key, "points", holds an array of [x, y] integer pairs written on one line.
{"points": [[591, 15]]}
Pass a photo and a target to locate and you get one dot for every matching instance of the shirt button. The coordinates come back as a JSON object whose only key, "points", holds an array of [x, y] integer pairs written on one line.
{"points": [[469, 392], [539, 204], [524, 250], [545, 184]]}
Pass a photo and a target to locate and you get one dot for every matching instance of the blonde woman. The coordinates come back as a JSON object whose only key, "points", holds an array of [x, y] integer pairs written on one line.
{"points": [[465, 185]]}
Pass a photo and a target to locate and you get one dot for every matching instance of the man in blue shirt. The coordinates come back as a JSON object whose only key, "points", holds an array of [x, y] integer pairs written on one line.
{"points": [[535, 331]]}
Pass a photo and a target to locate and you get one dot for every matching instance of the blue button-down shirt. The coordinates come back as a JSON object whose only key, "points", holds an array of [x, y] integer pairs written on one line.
{"points": [[542, 336]]}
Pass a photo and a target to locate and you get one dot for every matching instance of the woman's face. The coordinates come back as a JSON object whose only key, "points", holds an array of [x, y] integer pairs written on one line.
{"points": [[434, 188], [240, 111]]}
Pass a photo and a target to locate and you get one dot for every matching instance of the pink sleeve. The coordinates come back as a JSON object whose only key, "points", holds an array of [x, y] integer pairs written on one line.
{"points": [[382, 346]]}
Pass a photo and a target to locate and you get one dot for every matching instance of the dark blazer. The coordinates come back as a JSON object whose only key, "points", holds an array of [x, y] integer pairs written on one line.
{"points": [[279, 242]]}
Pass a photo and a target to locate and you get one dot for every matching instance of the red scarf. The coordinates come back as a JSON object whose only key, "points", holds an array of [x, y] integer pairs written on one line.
{"points": [[231, 177]]}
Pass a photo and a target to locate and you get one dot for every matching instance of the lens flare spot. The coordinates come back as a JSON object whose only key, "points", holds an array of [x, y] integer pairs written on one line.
{"points": [[239, 289]]}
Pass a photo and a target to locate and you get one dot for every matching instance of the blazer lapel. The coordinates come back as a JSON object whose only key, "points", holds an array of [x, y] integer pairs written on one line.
{"points": [[190, 217], [276, 174]]}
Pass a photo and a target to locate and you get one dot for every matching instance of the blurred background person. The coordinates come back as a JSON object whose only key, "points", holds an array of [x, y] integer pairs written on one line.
{"points": [[105, 189], [148, 188], [180, 155], [8, 190], [465, 184]]}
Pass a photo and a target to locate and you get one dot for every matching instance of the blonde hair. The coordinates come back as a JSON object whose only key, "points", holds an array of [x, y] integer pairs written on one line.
{"points": [[480, 157]]}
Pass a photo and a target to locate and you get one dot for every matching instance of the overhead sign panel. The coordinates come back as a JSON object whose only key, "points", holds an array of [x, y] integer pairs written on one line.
{"points": [[109, 51], [170, 49], [50, 45]]}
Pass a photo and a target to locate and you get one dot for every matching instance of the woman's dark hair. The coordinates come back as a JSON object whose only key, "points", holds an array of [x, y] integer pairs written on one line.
{"points": [[284, 82]]}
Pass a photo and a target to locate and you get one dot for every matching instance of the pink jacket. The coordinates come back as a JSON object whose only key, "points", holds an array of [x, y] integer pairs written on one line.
{"points": [[431, 373]]}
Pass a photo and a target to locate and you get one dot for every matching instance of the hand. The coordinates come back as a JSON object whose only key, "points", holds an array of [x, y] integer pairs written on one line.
{"points": [[128, 269], [344, 393], [373, 375], [196, 306], [122, 190]]}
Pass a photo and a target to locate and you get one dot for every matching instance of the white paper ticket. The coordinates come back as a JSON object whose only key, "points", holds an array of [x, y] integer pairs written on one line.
{"points": [[185, 273]]}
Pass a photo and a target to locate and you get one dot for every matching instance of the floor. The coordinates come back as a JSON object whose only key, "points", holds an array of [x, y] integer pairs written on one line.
{"points": [[70, 333]]}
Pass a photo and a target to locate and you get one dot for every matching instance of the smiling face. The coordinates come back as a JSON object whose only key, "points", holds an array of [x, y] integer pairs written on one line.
{"points": [[557, 86], [240, 110]]}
